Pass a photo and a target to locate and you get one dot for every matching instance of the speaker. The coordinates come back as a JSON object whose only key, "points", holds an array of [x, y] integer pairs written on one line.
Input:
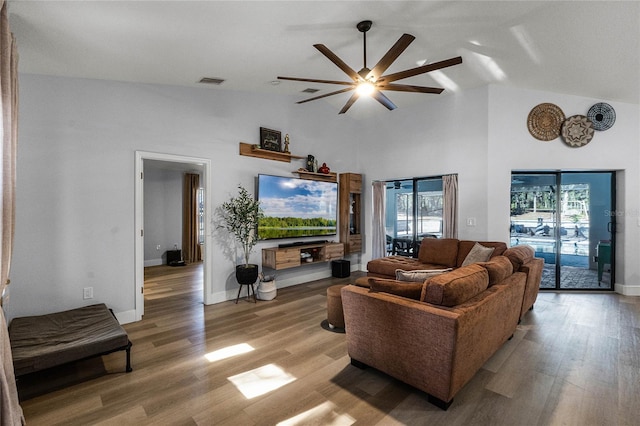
{"points": [[340, 268], [174, 257]]}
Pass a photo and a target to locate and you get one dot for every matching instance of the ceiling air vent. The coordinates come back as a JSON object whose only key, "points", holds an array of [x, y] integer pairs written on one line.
{"points": [[310, 90], [211, 80]]}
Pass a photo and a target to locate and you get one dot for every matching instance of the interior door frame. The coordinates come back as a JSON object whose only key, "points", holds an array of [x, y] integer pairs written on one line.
{"points": [[205, 163]]}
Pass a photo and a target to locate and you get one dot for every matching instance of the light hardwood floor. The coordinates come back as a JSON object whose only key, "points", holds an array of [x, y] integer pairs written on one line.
{"points": [[574, 360]]}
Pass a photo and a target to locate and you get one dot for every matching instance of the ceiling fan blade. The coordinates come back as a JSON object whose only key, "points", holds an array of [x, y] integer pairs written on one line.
{"points": [[326, 94], [408, 88], [393, 53], [380, 97], [339, 62], [350, 102], [420, 70], [313, 80]]}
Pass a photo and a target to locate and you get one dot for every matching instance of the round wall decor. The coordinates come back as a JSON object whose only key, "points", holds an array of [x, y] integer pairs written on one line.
{"points": [[602, 116], [577, 131], [544, 121]]}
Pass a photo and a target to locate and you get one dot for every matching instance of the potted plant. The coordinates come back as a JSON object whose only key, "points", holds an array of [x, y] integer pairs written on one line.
{"points": [[241, 215]]}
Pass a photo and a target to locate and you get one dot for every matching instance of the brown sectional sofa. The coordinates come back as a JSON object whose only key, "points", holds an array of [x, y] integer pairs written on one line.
{"points": [[451, 253], [433, 254], [434, 335]]}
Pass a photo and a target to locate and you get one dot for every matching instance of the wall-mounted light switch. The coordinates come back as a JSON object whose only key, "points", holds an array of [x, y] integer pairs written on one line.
{"points": [[87, 293]]}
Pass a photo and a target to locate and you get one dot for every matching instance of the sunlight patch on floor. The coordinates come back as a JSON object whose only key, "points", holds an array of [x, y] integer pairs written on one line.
{"points": [[321, 415], [228, 352], [261, 380]]}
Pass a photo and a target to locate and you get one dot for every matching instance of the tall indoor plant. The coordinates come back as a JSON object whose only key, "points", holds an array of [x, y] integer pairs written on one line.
{"points": [[241, 215]]}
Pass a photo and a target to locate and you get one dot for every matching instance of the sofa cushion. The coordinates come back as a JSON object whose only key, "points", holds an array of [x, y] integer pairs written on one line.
{"points": [[410, 290], [442, 251], [386, 266], [456, 287], [478, 253], [465, 246], [499, 268], [519, 255], [419, 275]]}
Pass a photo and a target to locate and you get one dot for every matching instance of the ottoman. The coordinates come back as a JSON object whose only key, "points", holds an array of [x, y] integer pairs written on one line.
{"points": [[335, 316]]}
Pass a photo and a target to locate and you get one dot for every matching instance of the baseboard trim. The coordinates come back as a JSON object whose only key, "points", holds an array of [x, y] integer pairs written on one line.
{"points": [[153, 262], [628, 290], [126, 317]]}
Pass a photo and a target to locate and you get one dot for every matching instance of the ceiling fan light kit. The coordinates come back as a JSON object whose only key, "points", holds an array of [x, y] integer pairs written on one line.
{"points": [[371, 82]]}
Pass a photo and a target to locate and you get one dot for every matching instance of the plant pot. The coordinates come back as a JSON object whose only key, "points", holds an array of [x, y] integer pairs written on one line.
{"points": [[247, 274]]}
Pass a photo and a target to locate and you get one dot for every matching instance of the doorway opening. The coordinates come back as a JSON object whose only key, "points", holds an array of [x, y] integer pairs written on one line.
{"points": [[148, 164], [566, 217]]}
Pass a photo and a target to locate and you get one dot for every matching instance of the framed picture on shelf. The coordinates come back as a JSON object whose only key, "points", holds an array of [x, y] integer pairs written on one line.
{"points": [[270, 139]]}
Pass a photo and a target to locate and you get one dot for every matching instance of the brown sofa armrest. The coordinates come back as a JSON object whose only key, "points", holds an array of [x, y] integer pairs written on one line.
{"points": [[435, 349], [396, 335], [533, 268]]}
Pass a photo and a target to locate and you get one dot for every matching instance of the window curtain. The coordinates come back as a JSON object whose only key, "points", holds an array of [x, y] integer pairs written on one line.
{"points": [[10, 411], [379, 237], [190, 246], [450, 206]]}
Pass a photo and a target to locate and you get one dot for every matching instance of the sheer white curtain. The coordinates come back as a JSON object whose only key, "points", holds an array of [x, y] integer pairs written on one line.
{"points": [[10, 411], [450, 206], [379, 237]]}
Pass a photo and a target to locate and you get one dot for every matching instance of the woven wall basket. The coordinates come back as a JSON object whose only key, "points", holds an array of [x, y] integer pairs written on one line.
{"points": [[577, 131], [544, 121]]}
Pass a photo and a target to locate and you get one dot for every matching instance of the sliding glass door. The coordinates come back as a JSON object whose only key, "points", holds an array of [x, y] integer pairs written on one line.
{"points": [[566, 217], [413, 212]]}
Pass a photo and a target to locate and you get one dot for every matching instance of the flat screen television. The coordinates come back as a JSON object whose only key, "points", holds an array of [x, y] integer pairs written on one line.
{"points": [[295, 207]]}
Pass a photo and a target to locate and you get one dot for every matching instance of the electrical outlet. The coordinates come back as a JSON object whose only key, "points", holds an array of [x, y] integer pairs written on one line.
{"points": [[158, 247], [471, 221], [87, 293]]}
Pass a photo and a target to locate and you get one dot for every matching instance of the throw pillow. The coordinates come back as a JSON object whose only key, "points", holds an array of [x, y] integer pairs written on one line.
{"points": [[478, 253], [419, 275], [410, 290]]}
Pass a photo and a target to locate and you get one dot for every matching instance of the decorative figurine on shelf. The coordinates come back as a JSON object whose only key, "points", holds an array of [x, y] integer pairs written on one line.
{"points": [[315, 166], [324, 169], [310, 160], [286, 143]]}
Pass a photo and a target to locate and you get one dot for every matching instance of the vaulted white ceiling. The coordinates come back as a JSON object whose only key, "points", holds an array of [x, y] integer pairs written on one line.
{"points": [[586, 48]]}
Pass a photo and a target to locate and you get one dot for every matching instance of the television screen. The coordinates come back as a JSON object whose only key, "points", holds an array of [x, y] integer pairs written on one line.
{"points": [[295, 207]]}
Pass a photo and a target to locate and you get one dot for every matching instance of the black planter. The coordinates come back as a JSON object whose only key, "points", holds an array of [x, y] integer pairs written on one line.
{"points": [[247, 274]]}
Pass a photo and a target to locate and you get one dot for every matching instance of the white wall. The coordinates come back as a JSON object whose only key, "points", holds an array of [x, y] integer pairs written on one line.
{"points": [[446, 135], [482, 136], [75, 184], [162, 213], [511, 147], [75, 187]]}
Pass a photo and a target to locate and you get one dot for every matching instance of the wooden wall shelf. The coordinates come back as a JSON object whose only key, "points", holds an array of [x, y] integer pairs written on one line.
{"points": [[250, 150], [326, 177]]}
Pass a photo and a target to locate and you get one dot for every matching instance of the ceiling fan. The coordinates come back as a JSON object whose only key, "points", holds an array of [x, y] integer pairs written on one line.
{"points": [[371, 82]]}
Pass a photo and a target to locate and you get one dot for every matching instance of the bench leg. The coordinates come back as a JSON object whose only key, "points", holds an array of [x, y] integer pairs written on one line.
{"points": [[129, 369]]}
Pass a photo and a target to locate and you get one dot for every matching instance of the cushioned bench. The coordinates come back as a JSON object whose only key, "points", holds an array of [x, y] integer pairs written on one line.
{"points": [[45, 341]]}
